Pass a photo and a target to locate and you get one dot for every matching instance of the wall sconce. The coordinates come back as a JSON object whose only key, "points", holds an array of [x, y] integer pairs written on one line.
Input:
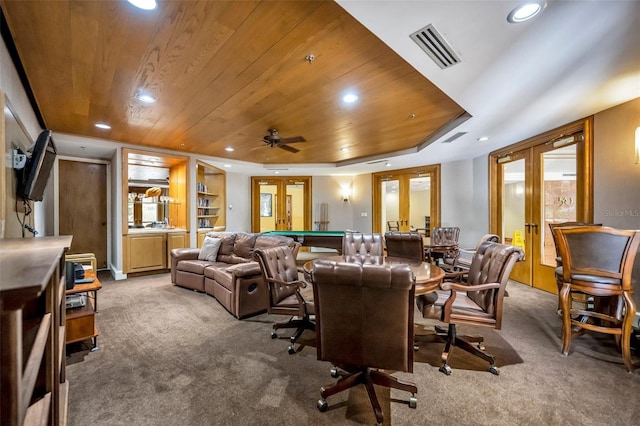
{"points": [[638, 145], [346, 194]]}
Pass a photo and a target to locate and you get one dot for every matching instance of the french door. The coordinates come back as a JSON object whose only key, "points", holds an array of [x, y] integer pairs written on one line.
{"points": [[547, 180], [410, 197], [280, 204]]}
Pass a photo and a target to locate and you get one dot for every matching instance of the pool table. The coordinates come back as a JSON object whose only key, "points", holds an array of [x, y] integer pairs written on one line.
{"points": [[324, 239]]}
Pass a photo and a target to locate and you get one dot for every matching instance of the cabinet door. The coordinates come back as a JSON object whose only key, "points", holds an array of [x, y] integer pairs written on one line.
{"points": [[175, 240], [146, 252]]}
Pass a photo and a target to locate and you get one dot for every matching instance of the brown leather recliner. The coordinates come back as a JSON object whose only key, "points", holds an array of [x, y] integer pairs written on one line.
{"points": [[364, 322], [408, 245], [474, 301], [279, 269], [443, 236]]}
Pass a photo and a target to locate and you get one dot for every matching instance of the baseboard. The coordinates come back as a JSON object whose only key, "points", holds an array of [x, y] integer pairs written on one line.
{"points": [[117, 274]]}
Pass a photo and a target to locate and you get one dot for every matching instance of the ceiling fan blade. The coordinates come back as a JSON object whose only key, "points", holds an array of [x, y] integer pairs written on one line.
{"points": [[293, 139], [288, 148]]}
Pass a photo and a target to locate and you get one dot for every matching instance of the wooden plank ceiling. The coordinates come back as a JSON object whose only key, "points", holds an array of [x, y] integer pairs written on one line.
{"points": [[223, 73]]}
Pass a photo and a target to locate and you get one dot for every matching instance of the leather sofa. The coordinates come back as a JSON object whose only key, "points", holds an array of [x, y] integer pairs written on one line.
{"points": [[235, 278]]}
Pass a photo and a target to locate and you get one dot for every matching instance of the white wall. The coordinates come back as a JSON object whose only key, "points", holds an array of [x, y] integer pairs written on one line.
{"points": [[238, 202], [459, 206], [328, 189]]}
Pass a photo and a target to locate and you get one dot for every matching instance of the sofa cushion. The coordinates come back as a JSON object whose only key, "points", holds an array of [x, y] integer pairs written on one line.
{"points": [[243, 246], [222, 277], [209, 249], [212, 266], [193, 266]]}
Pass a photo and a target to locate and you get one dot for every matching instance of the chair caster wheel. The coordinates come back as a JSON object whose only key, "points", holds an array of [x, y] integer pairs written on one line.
{"points": [[481, 347], [413, 401], [322, 405], [416, 347], [334, 372], [446, 369], [274, 335], [292, 350], [494, 370]]}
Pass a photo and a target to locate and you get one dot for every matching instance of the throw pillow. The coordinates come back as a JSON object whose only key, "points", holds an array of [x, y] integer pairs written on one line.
{"points": [[209, 249]]}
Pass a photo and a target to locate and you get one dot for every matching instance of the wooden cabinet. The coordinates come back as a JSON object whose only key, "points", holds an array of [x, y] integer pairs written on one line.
{"points": [[32, 325], [150, 251], [210, 197]]}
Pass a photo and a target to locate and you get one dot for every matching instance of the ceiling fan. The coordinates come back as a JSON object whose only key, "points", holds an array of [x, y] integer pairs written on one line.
{"points": [[274, 140]]}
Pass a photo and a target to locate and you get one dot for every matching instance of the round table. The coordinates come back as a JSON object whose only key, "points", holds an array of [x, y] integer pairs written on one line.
{"points": [[428, 276]]}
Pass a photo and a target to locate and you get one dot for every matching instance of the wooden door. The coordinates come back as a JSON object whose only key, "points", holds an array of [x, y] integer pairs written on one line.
{"points": [[547, 179], [408, 196], [82, 210], [280, 203]]}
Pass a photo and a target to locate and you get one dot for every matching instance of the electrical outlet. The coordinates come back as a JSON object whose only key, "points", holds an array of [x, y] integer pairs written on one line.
{"points": [[364, 214]]}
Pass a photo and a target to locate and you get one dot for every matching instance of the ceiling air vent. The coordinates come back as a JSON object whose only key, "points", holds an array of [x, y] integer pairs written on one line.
{"points": [[454, 137], [432, 42]]}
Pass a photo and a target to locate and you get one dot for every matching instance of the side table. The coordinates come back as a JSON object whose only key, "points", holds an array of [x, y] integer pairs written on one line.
{"points": [[81, 324]]}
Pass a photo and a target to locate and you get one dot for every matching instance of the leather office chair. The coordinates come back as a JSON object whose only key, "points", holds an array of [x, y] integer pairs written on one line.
{"points": [[474, 301], [362, 244], [364, 323], [443, 236], [393, 225], [598, 261], [280, 272], [408, 245], [462, 262]]}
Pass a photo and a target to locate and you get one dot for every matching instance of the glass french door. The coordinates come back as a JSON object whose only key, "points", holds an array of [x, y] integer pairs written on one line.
{"points": [[547, 182], [410, 197], [280, 204]]}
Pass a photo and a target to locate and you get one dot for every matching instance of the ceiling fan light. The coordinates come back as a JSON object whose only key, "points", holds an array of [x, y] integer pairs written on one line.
{"points": [[350, 98], [103, 126], [524, 12], [144, 4], [229, 149], [146, 98]]}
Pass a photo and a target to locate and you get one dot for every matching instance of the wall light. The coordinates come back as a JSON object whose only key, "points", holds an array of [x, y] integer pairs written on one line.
{"points": [[638, 145], [346, 193]]}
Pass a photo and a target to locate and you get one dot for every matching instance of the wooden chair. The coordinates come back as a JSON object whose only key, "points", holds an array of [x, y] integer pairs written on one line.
{"points": [[408, 245], [280, 272], [364, 324], [393, 225], [558, 272], [598, 261], [474, 301]]}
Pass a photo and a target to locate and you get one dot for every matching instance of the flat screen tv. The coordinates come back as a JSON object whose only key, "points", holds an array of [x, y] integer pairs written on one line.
{"points": [[32, 179]]}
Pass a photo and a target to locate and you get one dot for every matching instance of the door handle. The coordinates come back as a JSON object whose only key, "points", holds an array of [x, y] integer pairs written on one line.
{"points": [[535, 225], [528, 226]]}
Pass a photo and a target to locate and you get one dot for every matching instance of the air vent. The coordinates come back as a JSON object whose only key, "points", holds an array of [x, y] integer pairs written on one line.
{"points": [[454, 137], [432, 42], [377, 161]]}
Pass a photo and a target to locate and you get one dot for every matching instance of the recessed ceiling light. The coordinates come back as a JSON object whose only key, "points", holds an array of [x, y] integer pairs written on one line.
{"points": [[350, 98], [228, 166], [276, 172], [229, 149], [144, 4], [388, 164], [344, 149], [524, 12], [146, 98], [483, 138], [103, 126]]}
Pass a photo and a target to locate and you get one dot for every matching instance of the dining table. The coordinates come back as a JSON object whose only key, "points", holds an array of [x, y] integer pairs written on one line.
{"points": [[428, 276]]}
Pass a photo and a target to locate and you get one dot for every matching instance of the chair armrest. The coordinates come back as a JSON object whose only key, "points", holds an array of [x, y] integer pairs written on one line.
{"points": [[463, 287], [297, 283], [456, 275]]}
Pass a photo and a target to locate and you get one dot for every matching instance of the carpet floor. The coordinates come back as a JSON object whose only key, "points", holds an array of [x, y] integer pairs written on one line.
{"points": [[171, 356]]}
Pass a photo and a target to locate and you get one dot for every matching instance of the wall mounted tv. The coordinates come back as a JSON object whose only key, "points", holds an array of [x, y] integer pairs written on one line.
{"points": [[32, 179]]}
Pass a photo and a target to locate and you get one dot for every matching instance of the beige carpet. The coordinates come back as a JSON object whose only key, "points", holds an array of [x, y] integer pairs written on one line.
{"points": [[171, 356]]}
